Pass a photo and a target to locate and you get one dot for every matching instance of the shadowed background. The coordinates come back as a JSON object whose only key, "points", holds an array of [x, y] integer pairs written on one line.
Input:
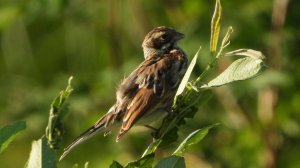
{"points": [[43, 42]]}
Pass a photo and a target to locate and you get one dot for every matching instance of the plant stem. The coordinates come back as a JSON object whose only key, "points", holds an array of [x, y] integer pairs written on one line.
{"points": [[209, 65]]}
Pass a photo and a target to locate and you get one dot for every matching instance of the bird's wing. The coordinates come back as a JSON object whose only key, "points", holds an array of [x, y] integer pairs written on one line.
{"points": [[152, 74], [144, 100], [151, 79]]}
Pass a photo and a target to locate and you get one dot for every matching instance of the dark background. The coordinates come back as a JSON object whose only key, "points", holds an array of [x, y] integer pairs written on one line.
{"points": [[43, 42]]}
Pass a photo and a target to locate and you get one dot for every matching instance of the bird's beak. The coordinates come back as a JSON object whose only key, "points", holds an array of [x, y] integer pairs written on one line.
{"points": [[178, 36]]}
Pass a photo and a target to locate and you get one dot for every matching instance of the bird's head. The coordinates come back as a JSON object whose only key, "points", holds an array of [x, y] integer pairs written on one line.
{"points": [[161, 39]]}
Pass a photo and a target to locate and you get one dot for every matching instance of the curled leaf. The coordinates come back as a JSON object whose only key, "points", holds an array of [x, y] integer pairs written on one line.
{"points": [[215, 27], [54, 129], [225, 41], [247, 53]]}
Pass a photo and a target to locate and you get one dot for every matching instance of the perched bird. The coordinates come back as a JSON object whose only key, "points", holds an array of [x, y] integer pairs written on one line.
{"points": [[149, 90]]}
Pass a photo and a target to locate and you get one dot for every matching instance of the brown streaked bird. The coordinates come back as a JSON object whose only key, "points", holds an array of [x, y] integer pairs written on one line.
{"points": [[149, 90]]}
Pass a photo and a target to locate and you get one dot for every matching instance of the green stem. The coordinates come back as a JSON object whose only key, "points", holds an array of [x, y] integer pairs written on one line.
{"points": [[209, 66]]}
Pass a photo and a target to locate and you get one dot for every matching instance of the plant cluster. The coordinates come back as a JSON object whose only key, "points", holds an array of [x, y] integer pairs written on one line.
{"points": [[188, 97]]}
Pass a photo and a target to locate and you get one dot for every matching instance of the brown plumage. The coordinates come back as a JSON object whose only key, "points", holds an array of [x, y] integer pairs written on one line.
{"points": [[149, 90]]}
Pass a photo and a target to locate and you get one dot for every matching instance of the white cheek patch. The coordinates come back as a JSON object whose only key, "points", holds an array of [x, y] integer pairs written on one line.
{"points": [[158, 34], [166, 46]]}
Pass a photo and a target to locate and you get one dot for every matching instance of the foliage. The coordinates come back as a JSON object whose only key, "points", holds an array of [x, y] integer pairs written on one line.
{"points": [[9, 132], [43, 151], [44, 42], [171, 162], [192, 139], [185, 105], [41, 155], [54, 130]]}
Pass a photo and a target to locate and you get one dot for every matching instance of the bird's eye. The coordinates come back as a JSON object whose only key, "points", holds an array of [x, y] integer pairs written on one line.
{"points": [[164, 37]]}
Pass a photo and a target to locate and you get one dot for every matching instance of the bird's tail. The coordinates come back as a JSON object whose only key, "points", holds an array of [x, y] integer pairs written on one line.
{"points": [[83, 137], [100, 125]]}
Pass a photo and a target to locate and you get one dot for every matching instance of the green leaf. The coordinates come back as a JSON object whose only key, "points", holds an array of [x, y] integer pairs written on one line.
{"points": [[152, 147], [192, 139], [115, 164], [41, 155], [215, 27], [225, 41], [171, 162], [144, 162], [247, 53], [187, 74], [170, 136], [63, 95], [9, 132], [240, 69], [54, 129]]}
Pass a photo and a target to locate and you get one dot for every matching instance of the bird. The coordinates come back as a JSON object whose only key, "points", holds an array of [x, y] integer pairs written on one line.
{"points": [[148, 92]]}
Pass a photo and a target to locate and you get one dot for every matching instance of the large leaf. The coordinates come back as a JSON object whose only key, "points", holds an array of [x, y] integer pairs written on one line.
{"points": [[187, 74], [171, 162], [240, 69], [192, 139], [215, 27], [144, 162], [41, 155], [9, 133]]}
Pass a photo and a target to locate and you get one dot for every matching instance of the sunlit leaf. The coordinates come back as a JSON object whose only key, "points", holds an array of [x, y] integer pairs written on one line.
{"points": [[247, 53], [215, 27], [225, 41], [41, 155], [240, 69], [187, 74], [171, 162], [152, 147], [144, 162], [192, 139], [9, 132]]}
